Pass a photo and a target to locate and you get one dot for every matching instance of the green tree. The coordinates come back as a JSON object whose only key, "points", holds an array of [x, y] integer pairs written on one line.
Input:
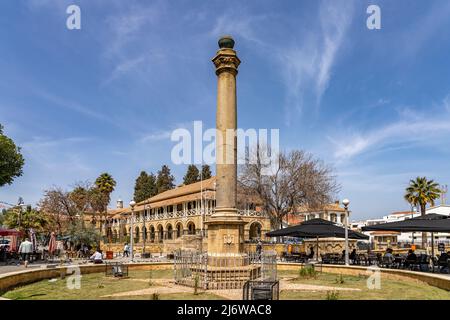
{"points": [[81, 234], [192, 175], [105, 184], [145, 186], [97, 201], [23, 220], [165, 180], [80, 196], [2, 217], [421, 192], [206, 172], [11, 160]]}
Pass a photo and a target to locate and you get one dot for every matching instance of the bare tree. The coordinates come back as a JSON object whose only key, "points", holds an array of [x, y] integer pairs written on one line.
{"points": [[81, 196], [288, 181], [58, 205]]}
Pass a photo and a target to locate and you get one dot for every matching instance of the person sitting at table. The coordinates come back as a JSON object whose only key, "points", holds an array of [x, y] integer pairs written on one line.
{"points": [[353, 256], [311, 252], [443, 261], [388, 256], [97, 257], [3, 253], [410, 258]]}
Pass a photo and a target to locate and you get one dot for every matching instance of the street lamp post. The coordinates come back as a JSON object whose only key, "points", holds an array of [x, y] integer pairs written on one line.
{"points": [[413, 210], [346, 202], [144, 233], [132, 204]]}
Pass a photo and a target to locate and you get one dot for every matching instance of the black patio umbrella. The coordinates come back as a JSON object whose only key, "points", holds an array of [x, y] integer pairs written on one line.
{"points": [[428, 223], [317, 228]]}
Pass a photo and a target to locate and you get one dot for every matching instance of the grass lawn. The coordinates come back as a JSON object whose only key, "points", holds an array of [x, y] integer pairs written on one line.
{"points": [[96, 285], [390, 289]]}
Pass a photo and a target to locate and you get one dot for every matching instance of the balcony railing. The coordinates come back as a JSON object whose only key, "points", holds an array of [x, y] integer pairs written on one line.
{"points": [[184, 214]]}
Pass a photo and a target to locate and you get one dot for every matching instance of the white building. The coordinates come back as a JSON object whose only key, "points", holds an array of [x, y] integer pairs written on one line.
{"points": [[404, 237]]}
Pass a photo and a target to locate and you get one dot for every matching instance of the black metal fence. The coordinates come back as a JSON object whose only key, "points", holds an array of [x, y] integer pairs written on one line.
{"points": [[116, 269], [206, 271], [261, 290]]}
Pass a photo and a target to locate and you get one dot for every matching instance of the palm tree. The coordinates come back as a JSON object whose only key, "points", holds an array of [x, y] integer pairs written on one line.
{"points": [[105, 184], [420, 192]]}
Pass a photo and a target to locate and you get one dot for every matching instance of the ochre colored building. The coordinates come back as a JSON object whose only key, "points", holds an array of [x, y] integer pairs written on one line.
{"points": [[177, 218]]}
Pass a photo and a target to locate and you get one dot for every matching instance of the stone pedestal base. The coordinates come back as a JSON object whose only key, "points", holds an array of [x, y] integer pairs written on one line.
{"points": [[225, 233], [220, 272]]}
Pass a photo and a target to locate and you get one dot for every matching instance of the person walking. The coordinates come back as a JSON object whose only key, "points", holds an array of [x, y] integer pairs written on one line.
{"points": [[126, 250], [25, 249]]}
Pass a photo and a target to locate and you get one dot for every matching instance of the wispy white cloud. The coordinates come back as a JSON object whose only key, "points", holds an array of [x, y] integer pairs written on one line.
{"points": [[306, 64], [74, 106], [128, 25], [425, 27], [129, 43], [411, 128], [159, 135], [156, 136], [307, 68], [55, 154], [239, 24]]}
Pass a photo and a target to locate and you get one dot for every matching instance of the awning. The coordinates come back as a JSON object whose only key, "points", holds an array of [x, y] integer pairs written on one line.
{"points": [[9, 232]]}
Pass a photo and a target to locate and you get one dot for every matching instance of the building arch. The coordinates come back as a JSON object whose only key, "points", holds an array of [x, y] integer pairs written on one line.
{"points": [[144, 233], [255, 230], [152, 233], [190, 226], [160, 232], [169, 230], [178, 229], [136, 234]]}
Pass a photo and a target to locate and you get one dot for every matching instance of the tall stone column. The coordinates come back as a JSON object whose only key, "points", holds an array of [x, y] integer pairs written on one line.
{"points": [[225, 226]]}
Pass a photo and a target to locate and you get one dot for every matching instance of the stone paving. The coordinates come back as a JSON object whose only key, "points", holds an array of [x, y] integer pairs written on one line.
{"points": [[12, 267]]}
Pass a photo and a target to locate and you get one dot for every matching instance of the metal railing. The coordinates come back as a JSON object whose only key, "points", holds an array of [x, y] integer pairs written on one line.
{"points": [[208, 271], [187, 213]]}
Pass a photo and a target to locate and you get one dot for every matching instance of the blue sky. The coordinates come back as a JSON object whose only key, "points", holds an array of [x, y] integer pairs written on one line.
{"points": [[374, 104]]}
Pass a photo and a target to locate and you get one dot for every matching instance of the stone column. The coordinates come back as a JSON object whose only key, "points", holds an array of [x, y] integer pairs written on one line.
{"points": [[225, 226], [226, 63]]}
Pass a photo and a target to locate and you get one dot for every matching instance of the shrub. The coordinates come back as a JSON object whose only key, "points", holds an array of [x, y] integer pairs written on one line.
{"points": [[340, 279], [332, 295], [307, 272], [150, 277], [155, 296], [196, 283]]}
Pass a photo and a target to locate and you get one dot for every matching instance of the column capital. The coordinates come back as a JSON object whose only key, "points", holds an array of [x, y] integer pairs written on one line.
{"points": [[226, 60]]}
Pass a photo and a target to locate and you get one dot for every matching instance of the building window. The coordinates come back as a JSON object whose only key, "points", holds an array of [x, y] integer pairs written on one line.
{"points": [[169, 231], [191, 228], [179, 230], [152, 234], [136, 234], [160, 233], [255, 231]]}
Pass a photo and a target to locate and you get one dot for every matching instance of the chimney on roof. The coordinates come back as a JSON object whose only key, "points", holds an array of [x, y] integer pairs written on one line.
{"points": [[119, 204], [336, 202]]}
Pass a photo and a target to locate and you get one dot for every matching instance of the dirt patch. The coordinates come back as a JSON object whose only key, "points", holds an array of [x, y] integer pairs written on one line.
{"points": [[160, 286], [311, 287], [148, 291]]}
